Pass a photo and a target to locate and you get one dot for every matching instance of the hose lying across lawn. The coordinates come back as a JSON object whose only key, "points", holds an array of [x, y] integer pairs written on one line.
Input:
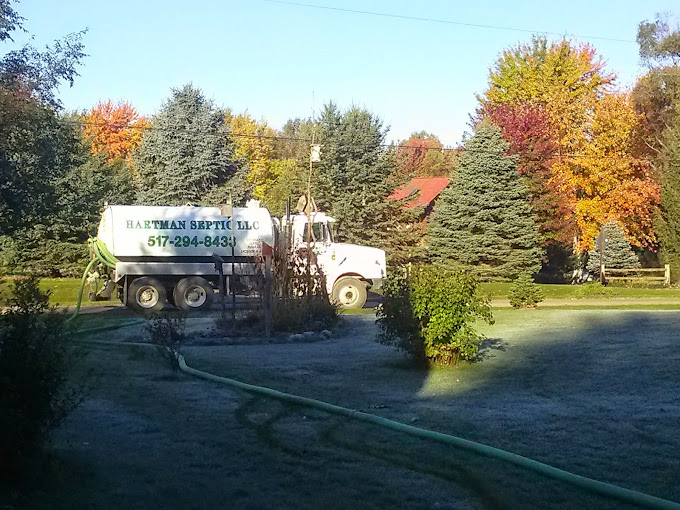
{"points": [[100, 255], [588, 484]]}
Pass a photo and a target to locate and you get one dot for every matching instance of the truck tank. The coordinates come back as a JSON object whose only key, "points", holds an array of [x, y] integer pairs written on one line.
{"points": [[154, 233]]}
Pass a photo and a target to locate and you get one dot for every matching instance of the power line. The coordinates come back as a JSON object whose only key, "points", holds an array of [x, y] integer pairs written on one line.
{"points": [[443, 21], [84, 123], [389, 146]]}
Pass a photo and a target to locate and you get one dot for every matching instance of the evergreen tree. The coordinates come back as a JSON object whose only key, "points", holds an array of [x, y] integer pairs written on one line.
{"points": [[351, 181], [483, 219], [186, 154], [617, 251], [668, 221], [657, 98], [524, 293]]}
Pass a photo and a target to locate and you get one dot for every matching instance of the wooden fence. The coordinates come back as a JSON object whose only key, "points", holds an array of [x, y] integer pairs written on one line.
{"points": [[639, 274]]}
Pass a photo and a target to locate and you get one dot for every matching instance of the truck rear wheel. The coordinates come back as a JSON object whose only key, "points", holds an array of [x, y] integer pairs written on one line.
{"points": [[193, 293], [349, 292], [146, 295]]}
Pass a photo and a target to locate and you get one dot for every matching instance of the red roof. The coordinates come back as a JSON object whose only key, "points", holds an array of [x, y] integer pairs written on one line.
{"points": [[426, 188]]}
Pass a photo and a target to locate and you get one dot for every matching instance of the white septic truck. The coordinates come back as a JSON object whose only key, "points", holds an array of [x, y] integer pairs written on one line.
{"points": [[169, 253]]}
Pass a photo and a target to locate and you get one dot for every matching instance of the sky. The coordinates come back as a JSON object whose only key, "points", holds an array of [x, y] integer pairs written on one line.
{"points": [[277, 60]]}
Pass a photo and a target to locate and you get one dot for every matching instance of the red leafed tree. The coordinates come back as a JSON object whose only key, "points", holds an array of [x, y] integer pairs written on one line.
{"points": [[422, 156], [114, 129], [528, 129]]}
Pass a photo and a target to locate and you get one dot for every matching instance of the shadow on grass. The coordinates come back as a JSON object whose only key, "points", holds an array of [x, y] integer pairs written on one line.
{"points": [[487, 346], [593, 392]]}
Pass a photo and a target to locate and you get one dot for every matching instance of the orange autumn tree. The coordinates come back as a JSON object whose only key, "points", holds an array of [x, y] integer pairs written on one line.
{"points": [[115, 130], [592, 169], [609, 182]]}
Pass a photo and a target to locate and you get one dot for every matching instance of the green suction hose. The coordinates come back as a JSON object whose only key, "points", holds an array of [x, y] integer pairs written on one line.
{"points": [[587, 484], [101, 255]]}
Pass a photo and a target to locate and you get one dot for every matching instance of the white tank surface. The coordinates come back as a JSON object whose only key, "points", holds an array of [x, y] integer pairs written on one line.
{"points": [[159, 232]]}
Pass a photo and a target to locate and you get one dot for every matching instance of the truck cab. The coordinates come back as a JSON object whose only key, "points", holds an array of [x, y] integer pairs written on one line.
{"points": [[350, 269]]}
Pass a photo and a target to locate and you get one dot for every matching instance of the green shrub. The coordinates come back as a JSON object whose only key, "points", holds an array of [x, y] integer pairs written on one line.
{"points": [[592, 289], [429, 314], [35, 359], [26, 254], [524, 293]]}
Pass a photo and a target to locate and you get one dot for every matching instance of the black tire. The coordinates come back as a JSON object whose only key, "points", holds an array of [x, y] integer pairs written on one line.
{"points": [[349, 293], [146, 295], [193, 293]]}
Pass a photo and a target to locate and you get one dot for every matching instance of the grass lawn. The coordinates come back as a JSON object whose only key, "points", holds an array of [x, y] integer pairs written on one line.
{"points": [[555, 291], [594, 392], [64, 291]]}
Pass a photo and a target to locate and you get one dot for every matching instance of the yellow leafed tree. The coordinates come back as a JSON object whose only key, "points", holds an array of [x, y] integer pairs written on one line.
{"points": [[610, 183], [255, 146]]}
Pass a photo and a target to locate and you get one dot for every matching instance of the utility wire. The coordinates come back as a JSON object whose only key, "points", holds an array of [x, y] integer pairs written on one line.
{"points": [[443, 21], [388, 146]]}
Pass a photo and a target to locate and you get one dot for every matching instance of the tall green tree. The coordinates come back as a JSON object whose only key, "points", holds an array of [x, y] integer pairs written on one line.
{"points": [[668, 220], [38, 72], [352, 179], [483, 220], [51, 187], [658, 42], [35, 151], [60, 213], [34, 146], [656, 95], [10, 20], [187, 154], [657, 98]]}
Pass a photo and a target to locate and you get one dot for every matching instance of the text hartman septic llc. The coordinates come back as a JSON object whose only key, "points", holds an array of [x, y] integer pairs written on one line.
{"points": [[193, 225]]}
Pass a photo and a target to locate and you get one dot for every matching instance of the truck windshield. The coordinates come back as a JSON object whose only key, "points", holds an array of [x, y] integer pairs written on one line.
{"points": [[318, 233], [321, 232]]}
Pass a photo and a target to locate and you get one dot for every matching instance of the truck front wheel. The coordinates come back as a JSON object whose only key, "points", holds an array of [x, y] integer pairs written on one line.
{"points": [[349, 292], [193, 293], [146, 294]]}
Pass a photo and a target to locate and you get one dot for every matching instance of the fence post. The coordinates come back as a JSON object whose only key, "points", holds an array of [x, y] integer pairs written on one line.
{"points": [[667, 275], [268, 297]]}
